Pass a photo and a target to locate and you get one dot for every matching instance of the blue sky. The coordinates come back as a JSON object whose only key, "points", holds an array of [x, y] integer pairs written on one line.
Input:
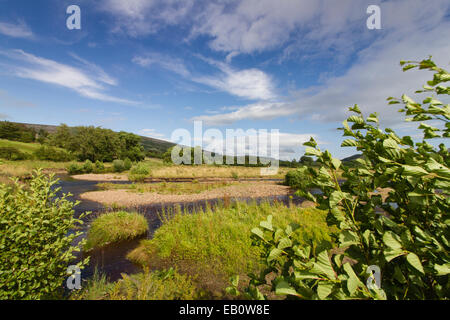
{"points": [[153, 66]]}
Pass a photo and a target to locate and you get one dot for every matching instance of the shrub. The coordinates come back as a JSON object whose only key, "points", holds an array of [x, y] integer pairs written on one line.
{"points": [[235, 175], [13, 154], [99, 166], [118, 166], [75, 168], [127, 164], [404, 234], [115, 226], [35, 243], [52, 154], [297, 179], [139, 172], [88, 167]]}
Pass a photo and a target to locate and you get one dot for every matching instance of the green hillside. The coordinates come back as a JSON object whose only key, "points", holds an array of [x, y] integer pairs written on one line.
{"points": [[21, 146]]}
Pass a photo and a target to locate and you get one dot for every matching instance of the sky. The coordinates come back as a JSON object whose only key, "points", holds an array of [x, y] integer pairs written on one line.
{"points": [[154, 66]]}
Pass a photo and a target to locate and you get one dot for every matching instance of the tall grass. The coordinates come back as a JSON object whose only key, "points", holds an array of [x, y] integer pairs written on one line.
{"points": [[216, 243], [157, 285], [115, 226]]}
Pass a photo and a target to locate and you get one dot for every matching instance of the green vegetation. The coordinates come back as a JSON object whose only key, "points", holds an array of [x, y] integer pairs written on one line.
{"points": [[114, 227], [139, 172], [17, 132], [53, 154], [28, 148], [408, 240], [297, 179], [166, 188], [91, 143], [157, 285], [34, 241], [212, 244]]}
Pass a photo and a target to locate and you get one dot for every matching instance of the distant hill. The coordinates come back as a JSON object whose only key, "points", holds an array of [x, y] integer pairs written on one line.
{"points": [[352, 158], [155, 146]]}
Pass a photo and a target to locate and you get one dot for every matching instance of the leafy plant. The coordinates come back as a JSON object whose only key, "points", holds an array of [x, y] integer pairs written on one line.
{"points": [[139, 172], [35, 244], [392, 212], [119, 166]]}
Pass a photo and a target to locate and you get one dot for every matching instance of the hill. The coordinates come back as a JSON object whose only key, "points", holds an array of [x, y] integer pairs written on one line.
{"points": [[154, 146]]}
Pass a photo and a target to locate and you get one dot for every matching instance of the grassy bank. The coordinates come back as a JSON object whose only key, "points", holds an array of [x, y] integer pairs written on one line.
{"points": [[114, 227], [166, 188], [213, 244]]}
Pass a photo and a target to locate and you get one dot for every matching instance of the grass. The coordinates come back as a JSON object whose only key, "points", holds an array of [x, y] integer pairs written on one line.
{"points": [[114, 227], [157, 285], [213, 244], [21, 146], [166, 188]]}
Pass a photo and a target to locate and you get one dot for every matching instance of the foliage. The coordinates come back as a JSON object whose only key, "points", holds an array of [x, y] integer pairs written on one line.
{"points": [[119, 166], [99, 166], [127, 164], [35, 243], [88, 166], [52, 154], [216, 241], [16, 132], [13, 154], [298, 178], [156, 285], [95, 143], [114, 227], [139, 172], [404, 232]]}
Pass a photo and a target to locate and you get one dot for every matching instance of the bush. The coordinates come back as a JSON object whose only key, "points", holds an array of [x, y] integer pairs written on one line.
{"points": [[402, 234], [139, 172], [115, 226], [75, 168], [35, 243], [297, 179], [88, 167], [99, 166], [12, 154], [52, 154], [118, 166], [127, 164]]}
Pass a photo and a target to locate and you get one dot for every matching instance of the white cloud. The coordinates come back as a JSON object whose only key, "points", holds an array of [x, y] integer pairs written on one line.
{"points": [[151, 133], [18, 30], [375, 73], [252, 84], [257, 111], [172, 64], [89, 84], [254, 143], [144, 17]]}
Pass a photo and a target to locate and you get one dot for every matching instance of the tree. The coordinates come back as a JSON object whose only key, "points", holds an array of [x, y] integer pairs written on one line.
{"points": [[392, 212]]}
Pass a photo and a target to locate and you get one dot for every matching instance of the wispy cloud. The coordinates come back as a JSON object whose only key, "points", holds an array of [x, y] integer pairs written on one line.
{"points": [[143, 17], [151, 133], [87, 83], [252, 84], [16, 30], [171, 64], [374, 75]]}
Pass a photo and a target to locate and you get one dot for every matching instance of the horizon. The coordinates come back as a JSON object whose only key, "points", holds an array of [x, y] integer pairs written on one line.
{"points": [[152, 67]]}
